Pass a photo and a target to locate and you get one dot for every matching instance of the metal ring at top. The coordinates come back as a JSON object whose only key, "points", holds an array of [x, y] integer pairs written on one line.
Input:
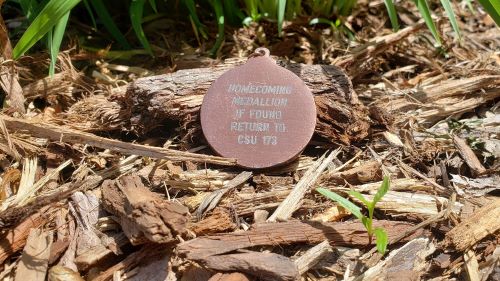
{"points": [[260, 52]]}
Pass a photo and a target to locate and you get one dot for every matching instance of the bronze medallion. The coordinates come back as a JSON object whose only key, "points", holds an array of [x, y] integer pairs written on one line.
{"points": [[259, 113]]}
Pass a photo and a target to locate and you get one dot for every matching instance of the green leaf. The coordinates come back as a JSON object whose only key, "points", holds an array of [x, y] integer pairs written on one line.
{"points": [[348, 205], [55, 42], [381, 191], [136, 10], [426, 13], [382, 240], [109, 24], [493, 9], [393, 16], [152, 3], [219, 14], [451, 15], [42, 24], [281, 15], [359, 196]]}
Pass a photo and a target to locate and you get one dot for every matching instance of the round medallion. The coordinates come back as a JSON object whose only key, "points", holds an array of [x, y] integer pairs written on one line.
{"points": [[259, 113]]}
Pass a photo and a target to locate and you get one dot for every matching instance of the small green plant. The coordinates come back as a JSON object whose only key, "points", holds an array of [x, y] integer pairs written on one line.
{"points": [[380, 234]]}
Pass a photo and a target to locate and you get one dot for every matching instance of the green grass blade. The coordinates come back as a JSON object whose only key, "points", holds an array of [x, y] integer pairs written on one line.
{"points": [[29, 8], [382, 240], [269, 8], [251, 8], [348, 205], [152, 3], [91, 14], [55, 42], [219, 14], [382, 190], [107, 21], [451, 15], [194, 18], [43, 23], [281, 15], [232, 13], [136, 10], [426, 13], [293, 9], [493, 9], [393, 16], [347, 8], [114, 55]]}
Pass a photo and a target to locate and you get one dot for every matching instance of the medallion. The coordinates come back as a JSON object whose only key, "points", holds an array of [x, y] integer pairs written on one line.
{"points": [[259, 113]]}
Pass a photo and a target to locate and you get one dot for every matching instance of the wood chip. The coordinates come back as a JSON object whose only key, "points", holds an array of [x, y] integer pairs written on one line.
{"points": [[405, 263], [99, 253], [14, 239], [266, 266], [491, 264], [132, 260], [9, 80], [235, 276], [211, 200], [142, 213], [157, 269], [403, 203], [35, 258], [219, 221], [61, 273], [471, 266], [260, 216], [368, 171], [292, 201], [480, 224], [312, 256], [468, 155]]}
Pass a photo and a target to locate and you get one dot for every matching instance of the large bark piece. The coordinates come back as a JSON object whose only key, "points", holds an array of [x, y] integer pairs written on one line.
{"points": [[142, 213], [152, 101], [286, 233]]}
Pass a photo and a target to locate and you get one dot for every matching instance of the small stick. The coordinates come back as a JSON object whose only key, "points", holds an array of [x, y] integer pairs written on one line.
{"points": [[468, 155], [420, 175], [312, 256], [57, 133], [211, 200], [292, 201]]}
